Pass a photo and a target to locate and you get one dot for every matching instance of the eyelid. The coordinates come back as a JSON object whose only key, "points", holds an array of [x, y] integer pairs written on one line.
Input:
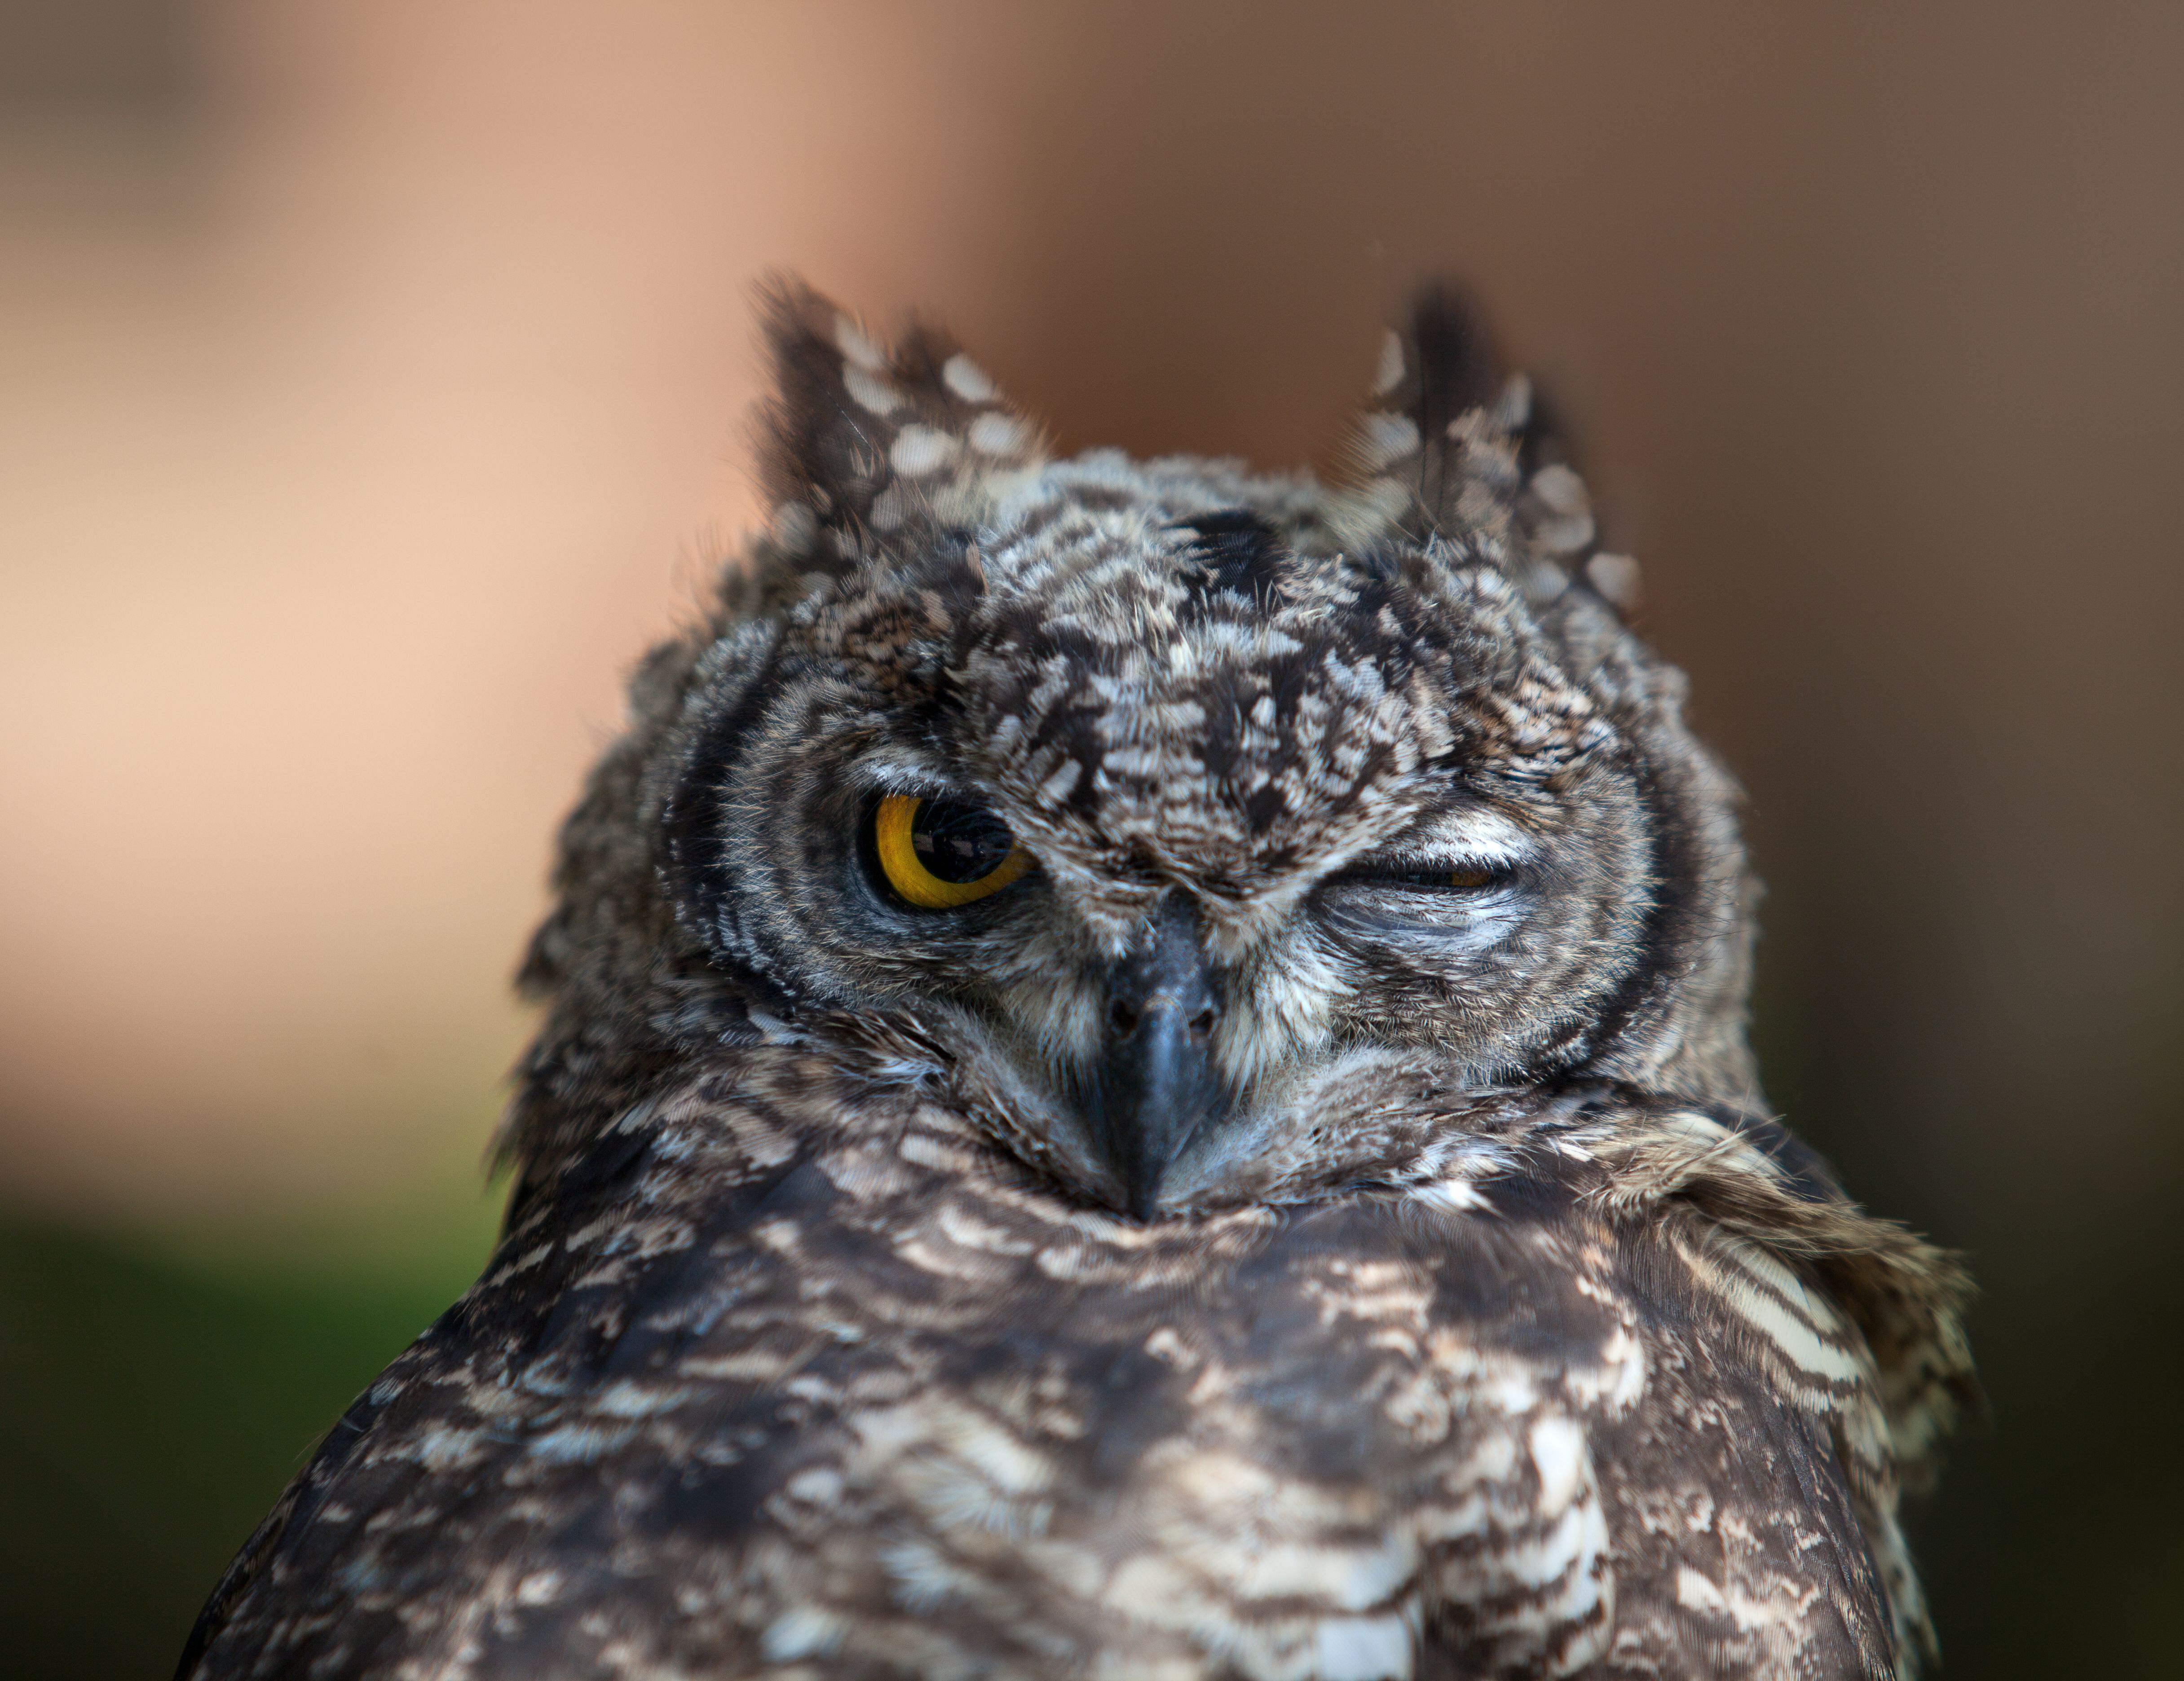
{"points": [[1477, 837], [1428, 875]]}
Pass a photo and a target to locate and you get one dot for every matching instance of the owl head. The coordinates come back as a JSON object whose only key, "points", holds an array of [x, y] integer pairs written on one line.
{"points": [[1159, 812]]}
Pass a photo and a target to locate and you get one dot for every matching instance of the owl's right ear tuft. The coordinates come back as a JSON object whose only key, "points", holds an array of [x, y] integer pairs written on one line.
{"points": [[863, 441]]}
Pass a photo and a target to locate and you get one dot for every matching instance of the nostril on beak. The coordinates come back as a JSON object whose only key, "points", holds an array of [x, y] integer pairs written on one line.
{"points": [[1124, 1017]]}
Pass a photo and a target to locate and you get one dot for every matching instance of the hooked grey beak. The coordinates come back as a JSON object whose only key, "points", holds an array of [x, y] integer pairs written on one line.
{"points": [[1156, 1085]]}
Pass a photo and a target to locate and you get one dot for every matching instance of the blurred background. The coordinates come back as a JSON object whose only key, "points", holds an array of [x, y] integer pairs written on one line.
{"points": [[372, 376]]}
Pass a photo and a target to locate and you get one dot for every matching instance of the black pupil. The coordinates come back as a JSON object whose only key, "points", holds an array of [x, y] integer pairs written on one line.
{"points": [[959, 842]]}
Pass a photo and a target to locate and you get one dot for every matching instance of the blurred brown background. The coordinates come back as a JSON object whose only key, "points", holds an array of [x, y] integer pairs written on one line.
{"points": [[372, 384]]}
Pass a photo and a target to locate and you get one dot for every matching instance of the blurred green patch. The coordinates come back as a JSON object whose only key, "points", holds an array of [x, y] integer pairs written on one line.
{"points": [[160, 1387]]}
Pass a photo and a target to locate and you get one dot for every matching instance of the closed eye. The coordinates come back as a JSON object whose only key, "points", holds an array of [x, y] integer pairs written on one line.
{"points": [[1416, 875]]}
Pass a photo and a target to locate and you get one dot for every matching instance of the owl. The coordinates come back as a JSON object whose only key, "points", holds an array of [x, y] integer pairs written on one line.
{"points": [[1143, 1075]]}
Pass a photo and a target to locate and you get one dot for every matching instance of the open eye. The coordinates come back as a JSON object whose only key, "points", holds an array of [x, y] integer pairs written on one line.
{"points": [[941, 853]]}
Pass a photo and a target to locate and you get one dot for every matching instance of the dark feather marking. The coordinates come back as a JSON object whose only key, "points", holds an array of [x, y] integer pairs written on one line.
{"points": [[1673, 880], [1233, 552], [691, 824]]}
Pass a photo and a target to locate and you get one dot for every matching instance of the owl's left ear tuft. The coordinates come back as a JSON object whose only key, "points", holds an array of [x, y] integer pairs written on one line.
{"points": [[1436, 455], [864, 440], [1455, 448]]}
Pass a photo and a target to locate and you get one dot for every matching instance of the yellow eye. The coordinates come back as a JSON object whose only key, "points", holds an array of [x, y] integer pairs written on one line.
{"points": [[941, 854], [1471, 879]]}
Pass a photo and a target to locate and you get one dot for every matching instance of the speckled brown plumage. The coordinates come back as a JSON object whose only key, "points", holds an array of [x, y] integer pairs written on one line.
{"points": [[875, 1303]]}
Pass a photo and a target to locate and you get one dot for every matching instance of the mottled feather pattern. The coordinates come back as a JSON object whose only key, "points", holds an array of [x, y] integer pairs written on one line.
{"points": [[964, 1427], [1485, 1325]]}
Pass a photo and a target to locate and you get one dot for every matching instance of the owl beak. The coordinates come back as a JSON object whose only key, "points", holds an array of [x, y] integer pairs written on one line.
{"points": [[1157, 1086]]}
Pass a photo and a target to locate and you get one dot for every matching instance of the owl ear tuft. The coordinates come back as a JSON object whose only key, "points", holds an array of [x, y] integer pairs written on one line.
{"points": [[863, 440], [1455, 448], [1436, 457]]}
